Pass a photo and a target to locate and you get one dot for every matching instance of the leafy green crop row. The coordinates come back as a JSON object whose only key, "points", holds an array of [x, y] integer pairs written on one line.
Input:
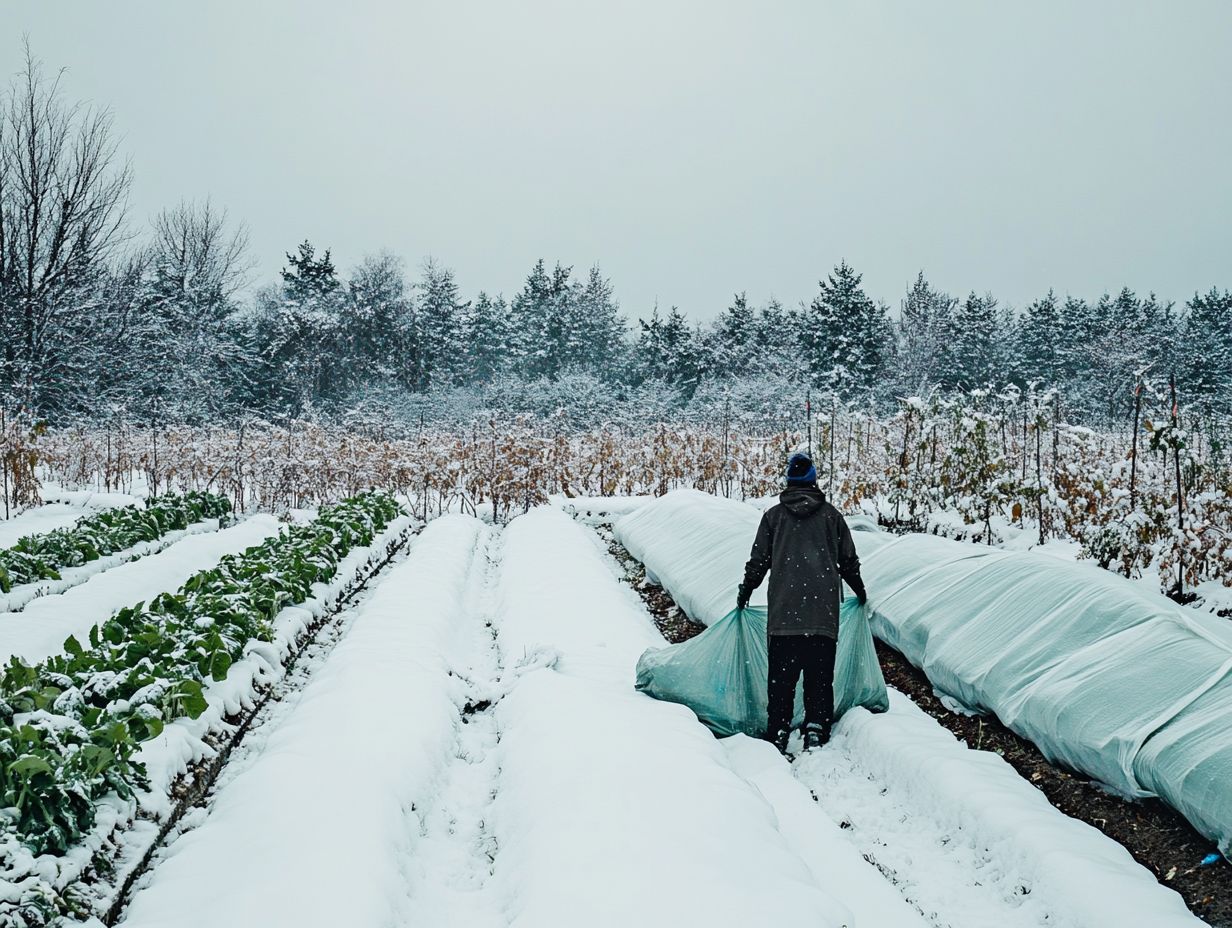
{"points": [[42, 557], [70, 726]]}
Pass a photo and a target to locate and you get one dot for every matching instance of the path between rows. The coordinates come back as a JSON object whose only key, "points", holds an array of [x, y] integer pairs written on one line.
{"points": [[453, 847]]}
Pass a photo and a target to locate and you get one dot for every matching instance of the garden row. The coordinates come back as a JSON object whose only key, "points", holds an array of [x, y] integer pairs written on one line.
{"points": [[45, 556], [72, 726], [372, 728]]}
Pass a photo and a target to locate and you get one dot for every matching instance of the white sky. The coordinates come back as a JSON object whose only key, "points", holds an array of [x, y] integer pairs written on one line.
{"points": [[692, 148]]}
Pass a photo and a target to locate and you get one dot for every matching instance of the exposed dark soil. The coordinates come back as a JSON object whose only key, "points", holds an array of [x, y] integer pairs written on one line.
{"points": [[672, 623], [1158, 837]]}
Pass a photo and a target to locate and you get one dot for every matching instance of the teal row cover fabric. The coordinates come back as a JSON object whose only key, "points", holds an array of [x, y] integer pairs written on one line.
{"points": [[721, 674]]}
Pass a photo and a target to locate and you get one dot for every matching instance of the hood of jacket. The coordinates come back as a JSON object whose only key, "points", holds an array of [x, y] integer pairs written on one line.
{"points": [[802, 501]]}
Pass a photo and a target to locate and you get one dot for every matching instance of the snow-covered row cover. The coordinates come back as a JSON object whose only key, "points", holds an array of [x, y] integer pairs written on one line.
{"points": [[599, 508], [20, 596], [315, 831], [39, 630], [616, 809], [1102, 675], [696, 546], [1072, 872]]}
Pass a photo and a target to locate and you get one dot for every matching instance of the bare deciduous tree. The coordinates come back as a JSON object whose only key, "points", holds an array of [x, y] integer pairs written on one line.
{"points": [[63, 197], [196, 257]]}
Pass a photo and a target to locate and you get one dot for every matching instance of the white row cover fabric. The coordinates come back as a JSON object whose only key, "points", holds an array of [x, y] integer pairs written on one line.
{"points": [[696, 546], [1102, 675]]}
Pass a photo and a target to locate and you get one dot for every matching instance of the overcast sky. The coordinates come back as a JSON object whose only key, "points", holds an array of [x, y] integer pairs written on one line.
{"points": [[691, 148]]}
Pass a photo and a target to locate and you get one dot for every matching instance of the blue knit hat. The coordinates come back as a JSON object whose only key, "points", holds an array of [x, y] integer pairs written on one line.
{"points": [[800, 471]]}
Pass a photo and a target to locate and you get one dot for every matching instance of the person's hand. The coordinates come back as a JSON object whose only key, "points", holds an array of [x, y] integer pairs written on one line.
{"points": [[863, 598], [742, 600]]}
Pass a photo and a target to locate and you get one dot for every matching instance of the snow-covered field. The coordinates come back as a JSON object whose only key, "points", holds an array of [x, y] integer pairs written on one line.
{"points": [[472, 752]]}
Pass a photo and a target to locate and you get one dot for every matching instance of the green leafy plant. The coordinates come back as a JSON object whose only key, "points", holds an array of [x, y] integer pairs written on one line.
{"points": [[70, 726], [42, 557]]}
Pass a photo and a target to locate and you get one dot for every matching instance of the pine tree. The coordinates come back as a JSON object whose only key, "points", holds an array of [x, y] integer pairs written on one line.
{"points": [[1081, 326], [377, 326], [925, 333], [1040, 340], [1207, 357], [1104, 356], [778, 338], [488, 334], [296, 332], [307, 277], [440, 327], [732, 343], [597, 332], [543, 327], [847, 336], [974, 356], [669, 350]]}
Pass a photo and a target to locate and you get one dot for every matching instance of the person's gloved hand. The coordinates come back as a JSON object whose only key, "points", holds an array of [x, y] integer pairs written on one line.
{"points": [[862, 596], [742, 599]]}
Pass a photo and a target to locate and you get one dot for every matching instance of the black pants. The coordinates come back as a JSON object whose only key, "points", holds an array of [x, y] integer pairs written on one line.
{"points": [[789, 656]]}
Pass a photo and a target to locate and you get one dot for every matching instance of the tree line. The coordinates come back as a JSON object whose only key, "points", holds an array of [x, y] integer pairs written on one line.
{"points": [[99, 320]]}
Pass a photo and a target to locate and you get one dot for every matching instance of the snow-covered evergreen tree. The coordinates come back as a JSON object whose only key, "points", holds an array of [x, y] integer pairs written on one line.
{"points": [[1104, 351], [1206, 354], [847, 337], [925, 338], [307, 277], [669, 350], [488, 336], [440, 327], [541, 324], [732, 343], [597, 335], [1040, 355], [779, 349], [377, 326], [977, 334], [295, 332]]}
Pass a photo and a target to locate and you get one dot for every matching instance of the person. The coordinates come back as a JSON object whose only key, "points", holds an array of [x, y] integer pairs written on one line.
{"points": [[805, 544]]}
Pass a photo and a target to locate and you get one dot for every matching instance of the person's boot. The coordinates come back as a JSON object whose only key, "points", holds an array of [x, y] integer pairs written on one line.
{"points": [[779, 740], [815, 736]]}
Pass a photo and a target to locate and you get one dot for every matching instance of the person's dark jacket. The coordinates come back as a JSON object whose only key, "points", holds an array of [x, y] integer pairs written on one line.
{"points": [[806, 545]]}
